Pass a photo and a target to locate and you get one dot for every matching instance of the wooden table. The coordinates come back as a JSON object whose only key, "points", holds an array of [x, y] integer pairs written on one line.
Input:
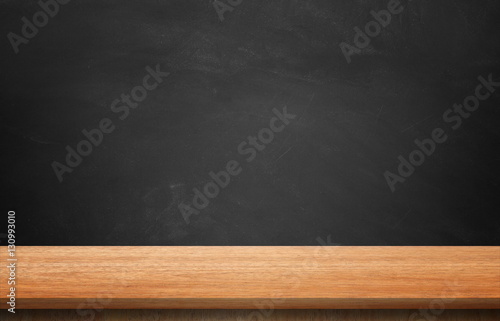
{"points": [[248, 277]]}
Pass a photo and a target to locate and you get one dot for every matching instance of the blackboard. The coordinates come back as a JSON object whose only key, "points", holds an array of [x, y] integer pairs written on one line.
{"points": [[250, 122]]}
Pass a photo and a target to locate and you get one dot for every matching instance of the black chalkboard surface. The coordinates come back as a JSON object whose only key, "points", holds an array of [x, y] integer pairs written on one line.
{"points": [[222, 122]]}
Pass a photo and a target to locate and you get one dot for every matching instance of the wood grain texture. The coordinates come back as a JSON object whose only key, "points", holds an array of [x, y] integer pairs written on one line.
{"points": [[257, 277], [247, 315]]}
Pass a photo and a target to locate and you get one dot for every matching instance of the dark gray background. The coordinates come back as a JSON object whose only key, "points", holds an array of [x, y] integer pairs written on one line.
{"points": [[323, 175]]}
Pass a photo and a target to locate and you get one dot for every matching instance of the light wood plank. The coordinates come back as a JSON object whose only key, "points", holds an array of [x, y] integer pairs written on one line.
{"points": [[254, 277]]}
